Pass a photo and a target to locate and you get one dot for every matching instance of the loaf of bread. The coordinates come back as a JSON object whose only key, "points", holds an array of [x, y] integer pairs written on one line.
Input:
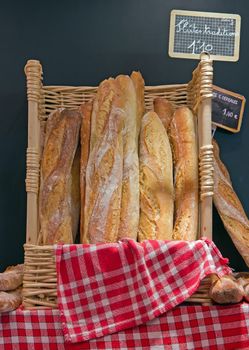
{"points": [[226, 290], [86, 111], [101, 110], [164, 110], [156, 181], [243, 279], [104, 175], [10, 301], [59, 205], [138, 83], [246, 291], [229, 207], [182, 132], [17, 268], [127, 102], [10, 280]]}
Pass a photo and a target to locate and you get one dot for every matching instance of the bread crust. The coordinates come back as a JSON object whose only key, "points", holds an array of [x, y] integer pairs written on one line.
{"points": [[10, 280], [226, 290], [156, 181], [164, 110], [85, 133], [182, 131], [104, 183], [101, 110], [59, 190], [127, 101], [10, 301], [138, 83]]}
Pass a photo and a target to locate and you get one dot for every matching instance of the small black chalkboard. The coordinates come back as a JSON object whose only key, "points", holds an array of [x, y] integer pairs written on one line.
{"points": [[227, 109], [192, 33]]}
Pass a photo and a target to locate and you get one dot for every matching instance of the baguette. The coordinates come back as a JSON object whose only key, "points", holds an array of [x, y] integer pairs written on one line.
{"points": [[59, 189], [129, 215], [138, 83], [156, 181], [230, 208], [183, 140], [104, 183], [164, 110], [86, 110], [101, 110]]}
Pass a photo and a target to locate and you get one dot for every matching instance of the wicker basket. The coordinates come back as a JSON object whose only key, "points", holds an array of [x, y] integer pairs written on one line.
{"points": [[39, 286]]}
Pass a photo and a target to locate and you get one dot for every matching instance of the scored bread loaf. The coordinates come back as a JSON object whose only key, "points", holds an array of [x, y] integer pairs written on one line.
{"points": [[104, 183], [138, 83], [59, 189], [164, 110], [229, 207], [156, 181], [129, 215], [86, 110], [102, 106], [182, 132]]}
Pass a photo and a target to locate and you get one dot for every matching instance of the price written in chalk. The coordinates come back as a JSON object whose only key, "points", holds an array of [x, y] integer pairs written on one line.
{"points": [[227, 109], [198, 46], [229, 114], [192, 33]]}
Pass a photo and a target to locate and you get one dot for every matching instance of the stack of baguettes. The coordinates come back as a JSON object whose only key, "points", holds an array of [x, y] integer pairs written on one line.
{"points": [[110, 166]]}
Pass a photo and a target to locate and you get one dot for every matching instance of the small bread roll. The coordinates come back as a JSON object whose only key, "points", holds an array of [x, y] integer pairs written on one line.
{"points": [[10, 280], [226, 290], [10, 301]]}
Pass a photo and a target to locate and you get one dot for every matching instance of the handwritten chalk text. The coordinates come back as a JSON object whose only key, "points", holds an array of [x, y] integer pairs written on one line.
{"points": [[186, 27]]}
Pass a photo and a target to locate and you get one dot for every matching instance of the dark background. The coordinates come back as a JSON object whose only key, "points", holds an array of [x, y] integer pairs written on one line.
{"points": [[82, 42]]}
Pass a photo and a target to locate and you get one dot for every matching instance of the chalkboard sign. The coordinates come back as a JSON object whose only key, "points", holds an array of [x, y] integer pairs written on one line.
{"points": [[192, 33], [227, 109]]}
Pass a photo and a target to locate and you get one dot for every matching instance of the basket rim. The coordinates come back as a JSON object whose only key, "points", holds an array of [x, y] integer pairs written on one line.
{"points": [[147, 87]]}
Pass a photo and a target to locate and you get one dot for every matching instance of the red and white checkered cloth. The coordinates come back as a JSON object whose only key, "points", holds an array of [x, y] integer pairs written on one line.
{"points": [[106, 288], [183, 328], [26, 330]]}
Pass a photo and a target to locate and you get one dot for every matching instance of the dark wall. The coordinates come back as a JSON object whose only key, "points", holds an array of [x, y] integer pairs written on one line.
{"points": [[80, 43]]}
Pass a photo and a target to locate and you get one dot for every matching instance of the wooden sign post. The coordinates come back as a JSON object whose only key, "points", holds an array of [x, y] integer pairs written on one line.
{"points": [[205, 151], [192, 33]]}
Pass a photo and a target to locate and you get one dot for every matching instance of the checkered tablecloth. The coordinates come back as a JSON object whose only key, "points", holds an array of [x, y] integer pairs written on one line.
{"points": [[107, 288], [183, 328]]}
